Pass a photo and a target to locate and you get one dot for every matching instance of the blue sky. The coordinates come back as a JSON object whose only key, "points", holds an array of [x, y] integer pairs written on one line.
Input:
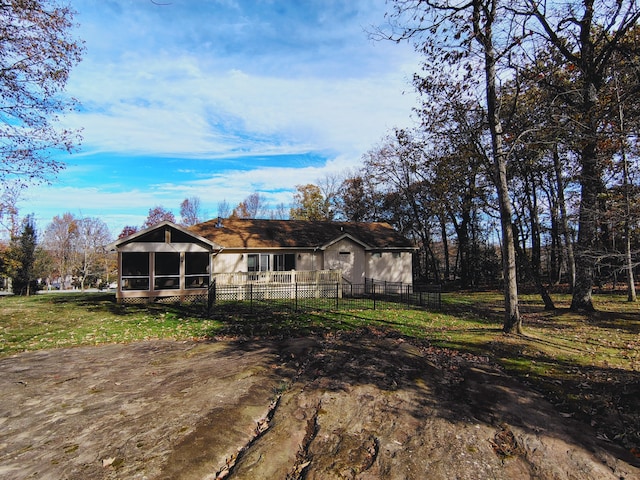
{"points": [[219, 99]]}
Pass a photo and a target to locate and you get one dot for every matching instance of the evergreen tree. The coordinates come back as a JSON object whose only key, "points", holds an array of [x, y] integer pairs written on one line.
{"points": [[24, 251]]}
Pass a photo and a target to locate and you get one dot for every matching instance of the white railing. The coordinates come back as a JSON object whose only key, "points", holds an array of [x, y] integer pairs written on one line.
{"points": [[288, 277]]}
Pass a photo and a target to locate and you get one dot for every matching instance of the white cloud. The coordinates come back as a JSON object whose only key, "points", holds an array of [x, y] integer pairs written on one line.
{"points": [[223, 79], [223, 113]]}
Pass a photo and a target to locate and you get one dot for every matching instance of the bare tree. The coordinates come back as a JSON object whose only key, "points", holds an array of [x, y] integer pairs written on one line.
{"points": [[281, 212], [9, 209], [37, 53], [60, 240], [254, 206], [93, 236], [224, 210], [190, 211]]}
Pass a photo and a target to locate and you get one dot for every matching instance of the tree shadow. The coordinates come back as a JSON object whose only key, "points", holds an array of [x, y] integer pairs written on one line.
{"points": [[464, 387]]}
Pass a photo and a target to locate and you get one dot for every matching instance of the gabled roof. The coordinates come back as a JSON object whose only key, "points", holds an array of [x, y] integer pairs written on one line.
{"points": [[156, 233], [254, 234]]}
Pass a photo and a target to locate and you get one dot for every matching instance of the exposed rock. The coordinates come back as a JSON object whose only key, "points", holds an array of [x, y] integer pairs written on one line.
{"points": [[349, 406]]}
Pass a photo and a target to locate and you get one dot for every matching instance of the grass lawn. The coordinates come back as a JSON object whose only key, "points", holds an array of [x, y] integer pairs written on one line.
{"points": [[588, 365]]}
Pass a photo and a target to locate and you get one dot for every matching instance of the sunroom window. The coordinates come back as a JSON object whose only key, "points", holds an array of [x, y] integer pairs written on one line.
{"points": [[135, 271], [196, 269], [167, 271]]}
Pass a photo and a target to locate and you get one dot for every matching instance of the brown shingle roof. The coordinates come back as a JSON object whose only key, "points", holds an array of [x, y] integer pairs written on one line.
{"points": [[253, 233]]}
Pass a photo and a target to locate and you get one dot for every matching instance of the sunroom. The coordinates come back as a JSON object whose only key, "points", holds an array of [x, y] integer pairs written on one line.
{"points": [[164, 262]]}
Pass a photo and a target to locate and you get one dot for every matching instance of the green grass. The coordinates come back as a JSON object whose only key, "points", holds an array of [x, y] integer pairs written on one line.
{"points": [[470, 322], [70, 319], [587, 364]]}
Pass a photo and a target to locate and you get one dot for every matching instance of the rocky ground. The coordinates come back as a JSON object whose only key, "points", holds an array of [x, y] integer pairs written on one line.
{"points": [[348, 406]]}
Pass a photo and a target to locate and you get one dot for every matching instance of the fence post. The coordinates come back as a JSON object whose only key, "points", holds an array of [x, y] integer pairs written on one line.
{"points": [[373, 291], [337, 295], [211, 296], [251, 297], [296, 301]]}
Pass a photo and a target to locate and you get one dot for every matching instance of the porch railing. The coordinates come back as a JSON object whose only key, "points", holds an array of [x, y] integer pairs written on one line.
{"points": [[322, 296], [290, 276]]}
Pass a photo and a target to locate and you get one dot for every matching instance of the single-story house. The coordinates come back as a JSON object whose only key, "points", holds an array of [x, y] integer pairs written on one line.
{"points": [[168, 260]]}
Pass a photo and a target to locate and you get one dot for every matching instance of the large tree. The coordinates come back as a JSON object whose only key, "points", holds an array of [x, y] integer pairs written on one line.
{"points": [[587, 34], [37, 52], [93, 236], [60, 239], [359, 200], [459, 39], [76, 246], [309, 203]]}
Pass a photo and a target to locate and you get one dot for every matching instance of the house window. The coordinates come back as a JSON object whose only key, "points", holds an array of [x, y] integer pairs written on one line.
{"points": [[196, 269], [135, 271], [258, 262], [261, 262], [284, 262], [253, 263], [167, 271]]}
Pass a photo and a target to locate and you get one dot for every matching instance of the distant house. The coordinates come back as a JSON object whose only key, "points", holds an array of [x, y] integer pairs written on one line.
{"points": [[168, 260]]}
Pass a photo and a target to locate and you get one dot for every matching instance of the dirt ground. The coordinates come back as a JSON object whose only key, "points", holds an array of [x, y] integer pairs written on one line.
{"points": [[349, 406]]}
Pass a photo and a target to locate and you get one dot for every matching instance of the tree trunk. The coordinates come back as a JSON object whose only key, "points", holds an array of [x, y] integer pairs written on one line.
{"points": [[484, 35], [445, 246], [591, 174], [555, 254], [587, 231], [564, 221], [631, 285], [535, 276], [628, 261]]}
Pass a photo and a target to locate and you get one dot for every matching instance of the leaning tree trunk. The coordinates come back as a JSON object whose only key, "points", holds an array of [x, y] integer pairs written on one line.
{"points": [[535, 275]]}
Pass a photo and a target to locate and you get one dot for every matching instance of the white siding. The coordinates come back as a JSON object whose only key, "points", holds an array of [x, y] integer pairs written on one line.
{"points": [[347, 256], [391, 267], [229, 263], [309, 261]]}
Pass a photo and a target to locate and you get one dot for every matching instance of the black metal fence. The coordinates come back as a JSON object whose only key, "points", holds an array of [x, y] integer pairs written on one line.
{"points": [[326, 296]]}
